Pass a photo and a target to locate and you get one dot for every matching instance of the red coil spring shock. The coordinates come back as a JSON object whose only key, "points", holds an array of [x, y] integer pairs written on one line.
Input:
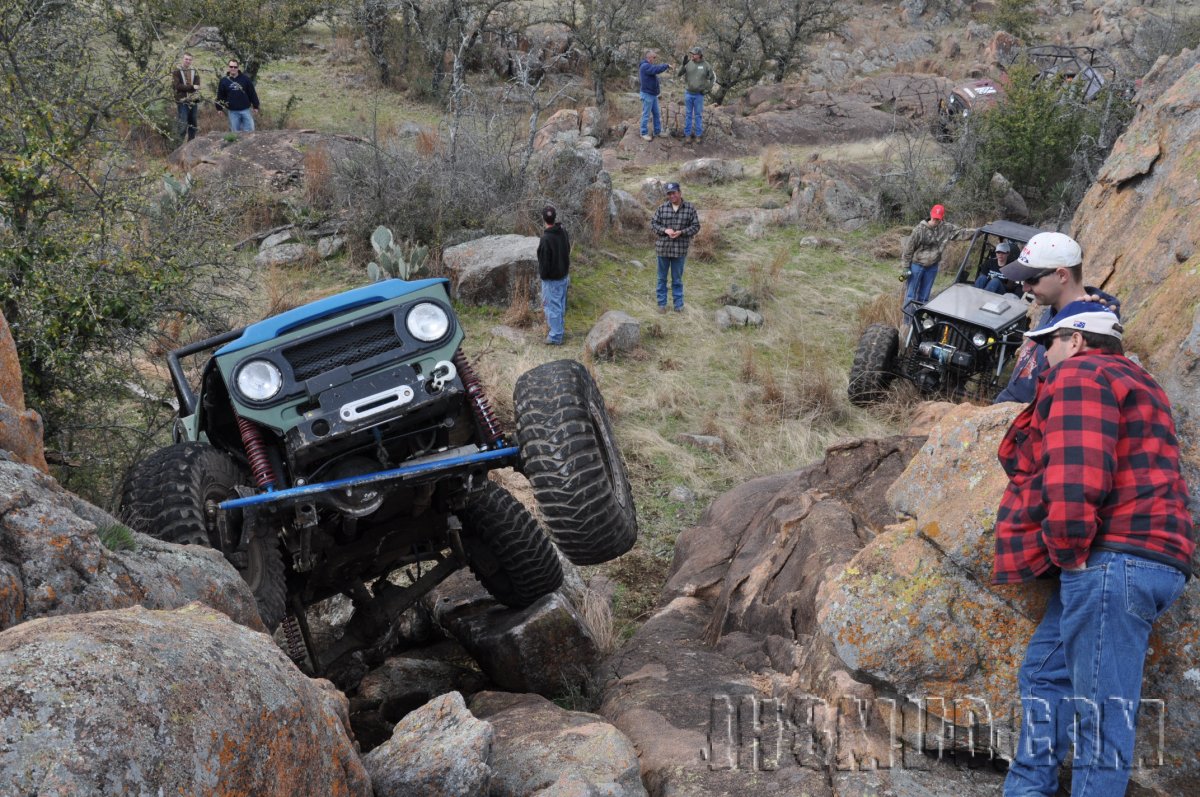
{"points": [[256, 453], [479, 400]]}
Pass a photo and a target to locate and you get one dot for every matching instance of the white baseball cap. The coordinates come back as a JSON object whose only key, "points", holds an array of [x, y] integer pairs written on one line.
{"points": [[1045, 252], [1082, 317]]}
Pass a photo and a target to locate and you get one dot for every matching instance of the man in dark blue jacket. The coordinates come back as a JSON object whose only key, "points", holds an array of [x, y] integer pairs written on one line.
{"points": [[648, 72], [236, 96], [1051, 268]]}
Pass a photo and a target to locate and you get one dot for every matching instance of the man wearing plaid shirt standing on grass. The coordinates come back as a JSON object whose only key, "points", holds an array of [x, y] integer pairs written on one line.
{"points": [[675, 223], [1095, 496]]}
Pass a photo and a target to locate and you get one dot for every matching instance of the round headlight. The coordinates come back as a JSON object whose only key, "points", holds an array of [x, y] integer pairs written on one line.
{"points": [[927, 322], [427, 322], [259, 380], [979, 339]]}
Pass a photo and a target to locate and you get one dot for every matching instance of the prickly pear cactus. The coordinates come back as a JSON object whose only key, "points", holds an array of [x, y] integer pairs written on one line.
{"points": [[404, 259]]}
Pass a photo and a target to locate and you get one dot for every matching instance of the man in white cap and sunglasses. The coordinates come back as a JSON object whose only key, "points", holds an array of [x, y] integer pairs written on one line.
{"points": [[1051, 268], [1097, 502]]}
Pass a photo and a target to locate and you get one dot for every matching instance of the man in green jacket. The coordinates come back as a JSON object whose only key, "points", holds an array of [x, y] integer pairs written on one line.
{"points": [[698, 81]]}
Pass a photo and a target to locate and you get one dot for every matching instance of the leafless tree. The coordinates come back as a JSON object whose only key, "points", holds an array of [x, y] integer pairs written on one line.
{"points": [[375, 18], [529, 74], [749, 40], [604, 30]]}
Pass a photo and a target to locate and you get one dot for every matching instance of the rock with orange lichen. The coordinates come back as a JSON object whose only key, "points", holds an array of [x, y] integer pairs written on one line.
{"points": [[899, 613], [439, 750], [1140, 235], [20, 429], [135, 701], [52, 560], [914, 609]]}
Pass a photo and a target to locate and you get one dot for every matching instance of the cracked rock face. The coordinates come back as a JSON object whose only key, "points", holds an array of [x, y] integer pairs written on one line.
{"points": [[799, 610], [1140, 235]]}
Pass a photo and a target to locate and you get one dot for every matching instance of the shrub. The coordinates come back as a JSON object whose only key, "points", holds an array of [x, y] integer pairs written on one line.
{"points": [[1014, 16], [1046, 139], [424, 193]]}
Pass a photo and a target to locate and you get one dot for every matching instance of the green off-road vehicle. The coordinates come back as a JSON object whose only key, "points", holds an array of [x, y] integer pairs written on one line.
{"points": [[333, 445]]}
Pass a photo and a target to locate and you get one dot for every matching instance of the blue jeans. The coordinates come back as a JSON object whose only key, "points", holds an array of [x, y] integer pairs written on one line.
{"points": [[990, 283], [554, 305], [650, 106], [186, 111], [1085, 659], [675, 266], [693, 114], [920, 284], [241, 120]]}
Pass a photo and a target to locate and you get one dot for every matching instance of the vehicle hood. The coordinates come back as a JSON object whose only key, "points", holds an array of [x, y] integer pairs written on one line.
{"points": [[977, 307]]}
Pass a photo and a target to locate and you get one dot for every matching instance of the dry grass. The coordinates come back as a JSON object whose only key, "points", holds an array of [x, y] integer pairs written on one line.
{"points": [[764, 276], [318, 176], [428, 143], [883, 309], [167, 336], [282, 290], [596, 613], [813, 392], [521, 312], [145, 142], [706, 245]]}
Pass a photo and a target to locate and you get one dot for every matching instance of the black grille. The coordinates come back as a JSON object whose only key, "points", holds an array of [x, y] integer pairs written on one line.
{"points": [[342, 347]]}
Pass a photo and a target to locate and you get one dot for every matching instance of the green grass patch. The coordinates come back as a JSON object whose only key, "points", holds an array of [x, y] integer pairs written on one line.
{"points": [[117, 537]]}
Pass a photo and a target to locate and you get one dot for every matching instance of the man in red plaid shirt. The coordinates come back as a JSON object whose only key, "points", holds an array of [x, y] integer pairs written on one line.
{"points": [[1095, 496]]}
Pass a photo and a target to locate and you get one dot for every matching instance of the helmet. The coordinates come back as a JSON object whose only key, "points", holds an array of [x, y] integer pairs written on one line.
{"points": [[937, 212]]}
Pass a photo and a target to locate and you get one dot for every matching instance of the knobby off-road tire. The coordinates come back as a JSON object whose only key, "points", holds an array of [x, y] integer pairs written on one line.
{"points": [[506, 548], [874, 364], [571, 458], [173, 495]]}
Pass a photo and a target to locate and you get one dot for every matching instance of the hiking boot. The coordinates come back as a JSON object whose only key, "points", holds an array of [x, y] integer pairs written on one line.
{"points": [[662, 308]]}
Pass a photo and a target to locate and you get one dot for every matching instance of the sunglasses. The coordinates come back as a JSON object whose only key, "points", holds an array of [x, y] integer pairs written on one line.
{"points": [[1038, 278]]}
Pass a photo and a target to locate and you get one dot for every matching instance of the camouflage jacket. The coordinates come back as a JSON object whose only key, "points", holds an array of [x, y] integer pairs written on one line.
{"points": [[926, 243]]}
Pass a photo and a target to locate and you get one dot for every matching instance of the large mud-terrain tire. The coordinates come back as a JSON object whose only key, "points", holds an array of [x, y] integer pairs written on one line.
{"points": [[874, 364], [506, 548], [571, 458], [173, 495]]}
